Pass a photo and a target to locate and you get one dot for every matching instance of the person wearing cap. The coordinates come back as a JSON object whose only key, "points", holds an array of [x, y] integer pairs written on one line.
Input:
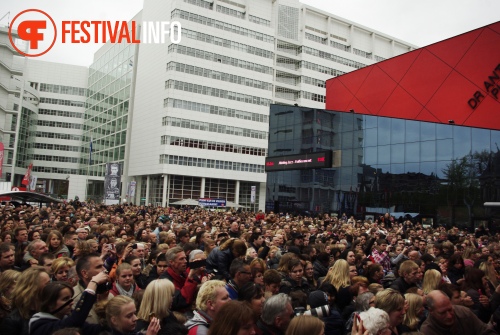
{"points": [[298, 240]]}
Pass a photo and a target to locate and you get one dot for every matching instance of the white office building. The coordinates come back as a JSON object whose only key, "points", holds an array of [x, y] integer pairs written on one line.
{"points": [[190, 120]]}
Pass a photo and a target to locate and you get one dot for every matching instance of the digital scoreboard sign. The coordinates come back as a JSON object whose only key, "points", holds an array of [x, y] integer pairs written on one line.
{"points": [[313, 160]]}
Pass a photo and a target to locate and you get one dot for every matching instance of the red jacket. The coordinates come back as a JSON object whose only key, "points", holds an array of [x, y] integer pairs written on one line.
{"points": [[186, 287]]}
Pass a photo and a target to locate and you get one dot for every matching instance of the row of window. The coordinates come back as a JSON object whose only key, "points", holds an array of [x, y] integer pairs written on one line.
{"points": [[47, 169], [312, 96], [258, 20], [210, 145], [62, 89], [362, 53], [316, 39], [228, 77], [213, 127], [229, 11], [57, 147], [59, 124], [233, 3], [313, 81], [177, 13], [334, 58], [55, 112], [62, 102], [217, 110], [211, 163], [200, 3], [340, 46], [216, 92], [219, 58], [58, 136], [321, 68], [227, 43], [50, 158]]}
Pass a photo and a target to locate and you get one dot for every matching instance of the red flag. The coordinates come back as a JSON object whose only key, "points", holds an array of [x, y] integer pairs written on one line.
{"points": [[26, 179]]}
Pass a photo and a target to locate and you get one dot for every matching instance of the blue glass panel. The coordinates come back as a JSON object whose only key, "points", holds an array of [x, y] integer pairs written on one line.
{"points": [[428, 151], [412, 167], [370, 155], [427, 131], [397, 131], [384, 131], [412, 152], [428, 168], [444, 150], [412, 131], [370, 122], [384, 168], [397, 168], [397, 153], [371, 137], [495, 141], [384, 154], [480, 140], [444, 131], [461, 142], [440, 167]]}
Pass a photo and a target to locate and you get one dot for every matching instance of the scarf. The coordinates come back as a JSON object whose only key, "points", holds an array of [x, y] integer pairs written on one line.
{"points": [[122, 291]]}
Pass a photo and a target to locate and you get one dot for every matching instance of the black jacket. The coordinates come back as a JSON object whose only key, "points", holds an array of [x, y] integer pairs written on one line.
{"points": [[218, 262], [401, 285], [45, 323], [319, 270], [14, 324]]}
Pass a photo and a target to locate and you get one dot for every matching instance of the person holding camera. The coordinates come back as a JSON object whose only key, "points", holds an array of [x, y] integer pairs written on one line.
{"points": [[185, 283], [87, 267]]}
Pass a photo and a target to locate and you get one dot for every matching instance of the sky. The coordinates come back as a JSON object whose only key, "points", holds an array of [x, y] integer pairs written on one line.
{"points": [[420, 23]]}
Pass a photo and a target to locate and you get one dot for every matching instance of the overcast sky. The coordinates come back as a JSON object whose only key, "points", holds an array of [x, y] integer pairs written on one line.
{"points": [[421, 22]]}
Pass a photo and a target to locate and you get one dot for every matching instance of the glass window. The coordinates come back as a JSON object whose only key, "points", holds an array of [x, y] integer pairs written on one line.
{"points": [[397, 153], [384, 154], [412, 131], [480, 139], [442, 166], [370, 155], [371, 137], [495, 141], [444, 131], [428, 151], [384, 128], [412, 152], [397, 168], [428, 168], [412, 168], [427, 131], [444, 150], [370, 122], [397, 131], [461, 141]]}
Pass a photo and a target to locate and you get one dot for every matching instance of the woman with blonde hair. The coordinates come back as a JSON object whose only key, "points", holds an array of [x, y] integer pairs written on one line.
{"points": [[157, 301], [120, 315], [432, 279], [82, 248], [60, 268], [55, 244], [26, 300], [8, 281], [414, 312], [306, 324], [491, 274], [393, 303], [338, 276]]}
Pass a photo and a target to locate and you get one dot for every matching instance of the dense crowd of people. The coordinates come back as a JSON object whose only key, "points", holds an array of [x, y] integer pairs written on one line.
{"points": [[74, 268]]}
